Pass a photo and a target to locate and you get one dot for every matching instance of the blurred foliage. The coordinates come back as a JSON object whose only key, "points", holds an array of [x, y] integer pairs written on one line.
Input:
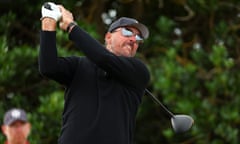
{"points": [[193, 55]]}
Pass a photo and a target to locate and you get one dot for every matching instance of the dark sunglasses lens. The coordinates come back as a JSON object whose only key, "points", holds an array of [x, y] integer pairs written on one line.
{"points": [[129, 33], [126, 32], [139, 38]]}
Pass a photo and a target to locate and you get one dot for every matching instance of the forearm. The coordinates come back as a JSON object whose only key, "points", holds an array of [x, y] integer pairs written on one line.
{"points": [[48, 52], [92, 48]]}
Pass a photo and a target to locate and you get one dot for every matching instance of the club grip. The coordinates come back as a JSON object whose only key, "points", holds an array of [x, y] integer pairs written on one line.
{"points": [[47, 6]]}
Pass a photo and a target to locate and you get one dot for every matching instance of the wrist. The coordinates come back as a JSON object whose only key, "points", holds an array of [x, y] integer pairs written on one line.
{"points": [[70, 26], [48, 24]]}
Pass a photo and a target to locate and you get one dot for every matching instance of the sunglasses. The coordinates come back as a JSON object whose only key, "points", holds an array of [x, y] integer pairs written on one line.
{"points": [[129, 33]]}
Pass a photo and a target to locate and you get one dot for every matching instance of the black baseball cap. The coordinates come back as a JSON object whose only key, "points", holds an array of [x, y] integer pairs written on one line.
{"points": [[13, 115], [125, 21]]}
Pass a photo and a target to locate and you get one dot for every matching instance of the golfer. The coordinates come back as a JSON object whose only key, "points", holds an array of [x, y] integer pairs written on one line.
{"points": [[103, 89]]}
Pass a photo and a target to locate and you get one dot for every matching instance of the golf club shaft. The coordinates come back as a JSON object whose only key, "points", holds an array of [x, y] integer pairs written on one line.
{"points": [[156, 100]]}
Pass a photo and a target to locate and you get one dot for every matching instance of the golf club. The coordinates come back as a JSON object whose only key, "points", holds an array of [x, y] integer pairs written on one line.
{"points": [[180, 123]]}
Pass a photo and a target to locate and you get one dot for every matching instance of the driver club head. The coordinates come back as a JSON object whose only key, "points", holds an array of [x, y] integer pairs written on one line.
{"points": [[181, 123]]}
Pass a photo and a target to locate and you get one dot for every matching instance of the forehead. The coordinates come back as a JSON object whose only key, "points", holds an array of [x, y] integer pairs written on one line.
{"points": [[17, 122]]}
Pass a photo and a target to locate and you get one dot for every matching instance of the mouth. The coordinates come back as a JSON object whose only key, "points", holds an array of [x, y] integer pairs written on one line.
{"points": [[129, 47]]}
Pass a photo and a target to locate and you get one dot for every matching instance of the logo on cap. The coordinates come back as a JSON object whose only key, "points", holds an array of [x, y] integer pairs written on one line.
{"points": [[16, 113]]}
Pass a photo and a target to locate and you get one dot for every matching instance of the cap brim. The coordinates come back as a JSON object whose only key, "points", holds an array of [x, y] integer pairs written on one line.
{"points": [[14, 120]]}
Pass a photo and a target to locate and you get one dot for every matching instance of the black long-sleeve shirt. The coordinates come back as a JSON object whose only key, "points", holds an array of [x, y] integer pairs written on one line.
{"points": [[103, 91]]}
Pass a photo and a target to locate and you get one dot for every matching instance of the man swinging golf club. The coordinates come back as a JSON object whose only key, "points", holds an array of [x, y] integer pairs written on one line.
{"points": [[103, 89]]}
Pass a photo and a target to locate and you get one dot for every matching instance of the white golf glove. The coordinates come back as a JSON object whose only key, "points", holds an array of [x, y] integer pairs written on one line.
{"points": [[51, 10]]}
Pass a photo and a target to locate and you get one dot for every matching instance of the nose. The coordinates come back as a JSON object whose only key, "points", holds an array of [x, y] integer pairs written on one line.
{"points": [[133, 38]]}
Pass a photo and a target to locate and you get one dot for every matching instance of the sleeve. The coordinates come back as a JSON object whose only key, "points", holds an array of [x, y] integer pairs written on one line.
{"points": [[130, 71], [50, 65]]}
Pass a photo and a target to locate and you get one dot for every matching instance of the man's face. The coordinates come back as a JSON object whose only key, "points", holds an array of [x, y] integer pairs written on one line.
{"points": [[120, 44], [17, 132]]}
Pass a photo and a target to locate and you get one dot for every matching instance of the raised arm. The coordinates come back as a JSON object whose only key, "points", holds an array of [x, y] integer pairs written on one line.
{"points": [[50, 65]]}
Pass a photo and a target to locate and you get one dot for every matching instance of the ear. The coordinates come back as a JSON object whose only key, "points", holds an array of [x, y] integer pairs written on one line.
{"points": [[108, 36], [29, 126], [3, 127]]}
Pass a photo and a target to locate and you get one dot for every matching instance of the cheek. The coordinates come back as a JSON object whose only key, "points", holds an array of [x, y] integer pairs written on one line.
{"points": [[11, 133], [116, 43], [135, 48], [27, 131]]}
